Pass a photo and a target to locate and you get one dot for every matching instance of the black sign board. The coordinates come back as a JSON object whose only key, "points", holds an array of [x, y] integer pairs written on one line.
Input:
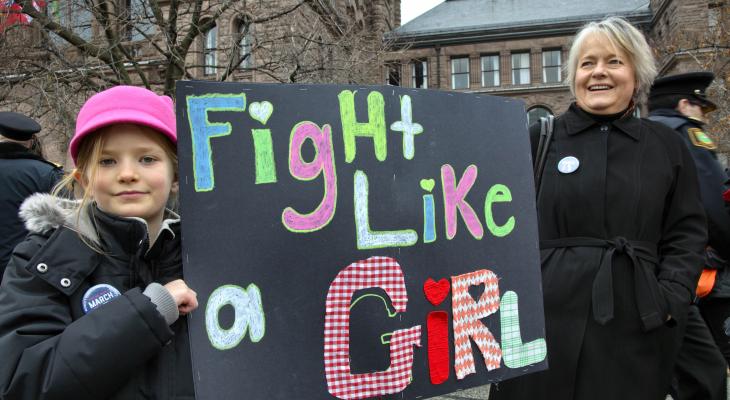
{"points": [[354, 242]]}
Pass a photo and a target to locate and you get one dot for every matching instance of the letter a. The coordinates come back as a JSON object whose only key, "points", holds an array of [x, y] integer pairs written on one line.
{"points": [[249, 316]]}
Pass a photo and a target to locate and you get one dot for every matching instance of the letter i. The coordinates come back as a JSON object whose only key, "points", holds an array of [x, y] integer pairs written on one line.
{"points": [[429, 213], [263, 148], [438, 331], [264, 156]]}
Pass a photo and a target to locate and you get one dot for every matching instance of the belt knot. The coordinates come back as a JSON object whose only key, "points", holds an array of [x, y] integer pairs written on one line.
{"points": [[622, 245]]}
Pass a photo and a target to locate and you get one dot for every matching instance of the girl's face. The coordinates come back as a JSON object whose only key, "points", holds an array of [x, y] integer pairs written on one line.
{"points": [[134, 174], [604, 78]]}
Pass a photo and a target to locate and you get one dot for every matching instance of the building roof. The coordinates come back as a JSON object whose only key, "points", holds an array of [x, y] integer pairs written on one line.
{"points": [[468, 16]]}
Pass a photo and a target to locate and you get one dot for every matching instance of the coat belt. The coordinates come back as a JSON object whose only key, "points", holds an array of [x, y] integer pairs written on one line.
{"points": [[646, 289]]}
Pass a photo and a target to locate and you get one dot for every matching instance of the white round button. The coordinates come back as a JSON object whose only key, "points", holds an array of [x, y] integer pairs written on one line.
{"points": [[568, 165]]}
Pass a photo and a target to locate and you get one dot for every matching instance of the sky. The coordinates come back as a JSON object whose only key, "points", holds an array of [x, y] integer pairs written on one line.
{"points": [[410, 9]]}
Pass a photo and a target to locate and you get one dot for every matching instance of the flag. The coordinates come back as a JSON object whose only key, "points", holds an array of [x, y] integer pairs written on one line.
{"points": [[11, 13]]}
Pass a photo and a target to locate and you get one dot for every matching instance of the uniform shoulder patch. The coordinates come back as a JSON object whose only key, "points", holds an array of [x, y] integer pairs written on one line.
{"points": [[699, 138]]}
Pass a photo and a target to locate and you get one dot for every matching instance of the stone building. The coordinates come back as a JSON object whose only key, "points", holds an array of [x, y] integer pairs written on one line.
{"points": [[71, 50], [517, 48], [694, 35], [691, 34]]}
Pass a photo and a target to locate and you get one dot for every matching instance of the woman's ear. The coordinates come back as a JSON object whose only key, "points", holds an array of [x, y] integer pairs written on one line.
{"points": [[175, 187]]}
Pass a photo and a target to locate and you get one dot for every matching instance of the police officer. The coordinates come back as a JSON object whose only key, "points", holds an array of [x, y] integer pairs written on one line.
{"points": [[23, 171], [680, 102]]}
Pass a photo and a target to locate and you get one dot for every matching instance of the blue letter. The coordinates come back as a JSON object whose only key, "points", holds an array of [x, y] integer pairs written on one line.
{"points": [[201, 130]]}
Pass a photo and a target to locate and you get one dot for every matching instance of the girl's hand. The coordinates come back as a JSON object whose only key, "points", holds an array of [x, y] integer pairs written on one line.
{"points": [[185, 298]]}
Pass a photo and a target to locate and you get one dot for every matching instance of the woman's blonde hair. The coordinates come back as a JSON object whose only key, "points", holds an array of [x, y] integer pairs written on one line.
{"points": [[625, 37], [87, 164]]}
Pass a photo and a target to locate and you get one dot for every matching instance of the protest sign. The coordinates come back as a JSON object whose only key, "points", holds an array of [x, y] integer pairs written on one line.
{"points": [[354, 242]]}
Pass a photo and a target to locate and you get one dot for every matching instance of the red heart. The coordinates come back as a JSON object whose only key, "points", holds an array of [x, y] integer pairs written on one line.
{"points": [[436, 292]]}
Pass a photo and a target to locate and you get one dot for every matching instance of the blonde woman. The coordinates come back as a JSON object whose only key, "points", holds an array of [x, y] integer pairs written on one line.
{"points": [[621, 231]]}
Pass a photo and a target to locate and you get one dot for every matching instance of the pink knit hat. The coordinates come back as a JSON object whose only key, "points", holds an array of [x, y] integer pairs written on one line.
{"points": [[124, 105]]}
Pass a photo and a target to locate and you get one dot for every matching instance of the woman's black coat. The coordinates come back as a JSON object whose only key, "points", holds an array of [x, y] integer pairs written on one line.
{"points": [[622, 240]]}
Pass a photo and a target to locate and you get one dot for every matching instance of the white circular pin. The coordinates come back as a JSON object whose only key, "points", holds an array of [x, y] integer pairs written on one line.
{"points": [[568, 165]]}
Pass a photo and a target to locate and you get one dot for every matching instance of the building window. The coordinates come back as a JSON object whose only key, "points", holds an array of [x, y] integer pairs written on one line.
{"points": [[393, 74], [138, 19], [211, 47], [460, 73], [245, 45], [551, 66], [714, 14], [75, 15], [534, 114], [419, 74], [490, 70], [520, 68]]}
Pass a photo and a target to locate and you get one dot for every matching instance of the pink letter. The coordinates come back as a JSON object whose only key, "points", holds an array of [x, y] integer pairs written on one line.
{"points": [[454, 198], [324, 162], [466, 316], [385, 273]]}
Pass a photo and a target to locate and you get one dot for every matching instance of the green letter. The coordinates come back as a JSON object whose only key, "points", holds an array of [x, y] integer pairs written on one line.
{"points": [[498, 194], [515, 353], [374, 128]]}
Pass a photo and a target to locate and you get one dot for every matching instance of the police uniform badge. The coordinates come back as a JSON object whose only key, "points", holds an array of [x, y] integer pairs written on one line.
{"points": [[699, 138], [97, 296]]}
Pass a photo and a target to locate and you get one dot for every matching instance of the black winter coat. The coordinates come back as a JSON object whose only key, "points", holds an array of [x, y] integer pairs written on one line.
{"points": [[123, 349], [621, 243], [22, 173], [713, 182]]}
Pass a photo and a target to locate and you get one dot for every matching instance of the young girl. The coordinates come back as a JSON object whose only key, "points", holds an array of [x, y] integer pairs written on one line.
{"points": [[90, 301]]}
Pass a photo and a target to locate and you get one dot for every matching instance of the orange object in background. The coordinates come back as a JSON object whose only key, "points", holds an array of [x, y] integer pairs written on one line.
{"points": [[706, 282]]}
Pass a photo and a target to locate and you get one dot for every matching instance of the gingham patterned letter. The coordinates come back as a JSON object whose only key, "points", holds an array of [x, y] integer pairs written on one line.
{"points": [[385, 273], [466, 316]]}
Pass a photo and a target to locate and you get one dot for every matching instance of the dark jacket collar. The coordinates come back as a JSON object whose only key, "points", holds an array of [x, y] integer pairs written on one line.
{"points": [[120, 237], [670, 113], [125, 237], [17, 150], [577, 121], [12, 151]]}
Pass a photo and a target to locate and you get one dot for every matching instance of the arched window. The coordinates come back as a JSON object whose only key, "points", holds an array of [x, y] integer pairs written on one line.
{"points": [[210, 52], [534, 114], [245, 45]]}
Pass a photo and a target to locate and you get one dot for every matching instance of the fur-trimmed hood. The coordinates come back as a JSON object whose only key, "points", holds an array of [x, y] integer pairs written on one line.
{"points": [[42, 212]]}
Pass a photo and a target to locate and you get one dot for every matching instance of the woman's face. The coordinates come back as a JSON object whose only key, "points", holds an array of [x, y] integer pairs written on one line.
{"points": [[604, 77]]}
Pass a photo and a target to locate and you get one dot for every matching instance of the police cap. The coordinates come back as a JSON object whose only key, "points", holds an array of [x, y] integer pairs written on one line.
{"points": [[17, 126], [691, 85]]}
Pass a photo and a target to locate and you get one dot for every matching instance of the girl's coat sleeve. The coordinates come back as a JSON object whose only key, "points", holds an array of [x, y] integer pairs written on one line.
{"points": [[46, 354]]}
